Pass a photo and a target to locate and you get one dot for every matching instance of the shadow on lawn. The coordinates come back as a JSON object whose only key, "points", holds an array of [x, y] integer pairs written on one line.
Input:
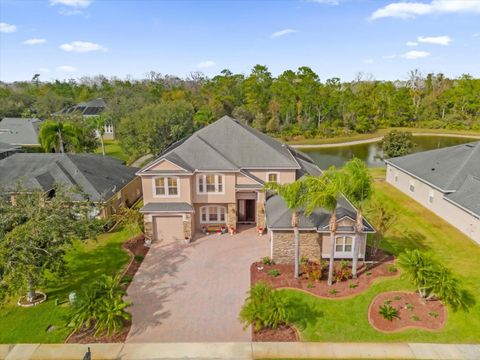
{"points": [[304, 315], [400, 240]]}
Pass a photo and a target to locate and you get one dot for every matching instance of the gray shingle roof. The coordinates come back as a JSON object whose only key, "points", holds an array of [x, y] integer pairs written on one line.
{"points": [[99, 178], [280, 217], [167, 207], [454, 170], [89, 108], [20, 131], [4, 147], [228, 144]]}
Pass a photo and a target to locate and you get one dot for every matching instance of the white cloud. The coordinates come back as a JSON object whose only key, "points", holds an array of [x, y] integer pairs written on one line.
{"points": [[282, 33], [82, 47], [326, 2], [7, 28], [437, 40], [72, 3], [388, 56], [415, 54], [368, 61], [412, 43], [44, 70], [206, 64], [34, 41], [67, 68], [476, 35], [409, 10]]}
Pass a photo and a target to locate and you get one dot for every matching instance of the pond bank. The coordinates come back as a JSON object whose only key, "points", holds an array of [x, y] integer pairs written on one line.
{"points": [[379, 138]]}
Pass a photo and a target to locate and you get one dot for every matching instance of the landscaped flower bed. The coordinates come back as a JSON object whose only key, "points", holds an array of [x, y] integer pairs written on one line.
{"points": [[283, 333], [281, 276], [407, 310]]}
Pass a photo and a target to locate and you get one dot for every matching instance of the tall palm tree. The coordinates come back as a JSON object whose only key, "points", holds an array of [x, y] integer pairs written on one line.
{"points": [[323, 192], [98, 123], [53, 135], [293, 194], [357, 186]]}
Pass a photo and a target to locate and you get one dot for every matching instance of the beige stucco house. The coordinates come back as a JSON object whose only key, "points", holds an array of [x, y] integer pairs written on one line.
{"points": [[445, 181], [214, 180]]}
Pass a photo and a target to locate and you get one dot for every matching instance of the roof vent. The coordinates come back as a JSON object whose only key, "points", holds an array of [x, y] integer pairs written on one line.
{"points": [[433, 169]]}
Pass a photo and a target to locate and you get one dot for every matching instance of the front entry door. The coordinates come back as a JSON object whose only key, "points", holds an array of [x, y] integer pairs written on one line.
{"points": [[246, 211]]}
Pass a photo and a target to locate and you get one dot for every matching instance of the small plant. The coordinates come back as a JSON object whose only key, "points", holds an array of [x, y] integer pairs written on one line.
{"points": [[368, 273], [342, 274], [343, 264], [392, 268], [409, 307], [415, 318], [397, 297], [433, 314], [303, 260], [387, 302], [267, 261], [310, 286], [388, 312], [273, 272], [353, 286], [139, 258], [333, 292], [312, 270], [127, 279]]}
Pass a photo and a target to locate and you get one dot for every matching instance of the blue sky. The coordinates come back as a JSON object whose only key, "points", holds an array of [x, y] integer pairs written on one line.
{"points": [[63, 39]]}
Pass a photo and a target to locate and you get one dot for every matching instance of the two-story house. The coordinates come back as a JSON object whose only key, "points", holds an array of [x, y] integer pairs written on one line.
{"points": [[216, 176]]}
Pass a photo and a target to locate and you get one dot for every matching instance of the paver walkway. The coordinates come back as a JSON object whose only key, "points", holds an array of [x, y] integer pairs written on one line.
{"points": [[193, 293]]}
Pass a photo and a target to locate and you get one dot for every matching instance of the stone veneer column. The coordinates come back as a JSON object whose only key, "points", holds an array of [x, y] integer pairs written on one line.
{"points": [[187, 226], [148, 227], [232, 215], [260, 215]]}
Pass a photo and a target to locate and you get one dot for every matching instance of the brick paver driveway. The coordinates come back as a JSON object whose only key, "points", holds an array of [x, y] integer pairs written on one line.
{"points": [[194, 292]]}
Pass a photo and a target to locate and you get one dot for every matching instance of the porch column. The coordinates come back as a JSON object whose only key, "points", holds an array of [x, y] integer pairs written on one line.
{"points": [[187, 226], [232, 215], [148, 227], [260, 215]]}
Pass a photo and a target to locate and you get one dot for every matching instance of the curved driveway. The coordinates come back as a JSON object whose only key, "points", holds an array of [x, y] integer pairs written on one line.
{"points": [[193, 293]]}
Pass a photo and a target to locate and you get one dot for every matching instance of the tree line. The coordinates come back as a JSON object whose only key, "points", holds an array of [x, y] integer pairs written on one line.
{"points": [[153, 112]]}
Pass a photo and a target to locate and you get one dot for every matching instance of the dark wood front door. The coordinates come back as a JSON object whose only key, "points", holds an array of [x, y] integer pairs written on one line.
{"points": [[246, 211]]}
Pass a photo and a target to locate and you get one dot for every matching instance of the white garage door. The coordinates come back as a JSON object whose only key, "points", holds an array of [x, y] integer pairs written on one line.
{"points": [[168, 228]]}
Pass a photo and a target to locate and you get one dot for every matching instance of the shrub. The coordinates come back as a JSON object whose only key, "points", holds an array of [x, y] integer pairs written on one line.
{"points": [[312, 270], [415, 318], [303, 260], [139, 258], [397, 143], [342, 274], [392, 268], [388, 312], [264, 307], [333, 292], [433, 314], [397, 297], [267, 261], [100, 306], [273, 272], [343, 264], [310, 286], [353, 286], [368, 273], [409, 307], [127, 279]]}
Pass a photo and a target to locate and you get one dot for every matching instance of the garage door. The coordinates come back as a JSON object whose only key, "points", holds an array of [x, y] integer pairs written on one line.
{"points": [[168, 228]]}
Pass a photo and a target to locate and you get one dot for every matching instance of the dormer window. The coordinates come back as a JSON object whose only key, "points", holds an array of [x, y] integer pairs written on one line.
{"points": [[166, 186], [210, 183]]}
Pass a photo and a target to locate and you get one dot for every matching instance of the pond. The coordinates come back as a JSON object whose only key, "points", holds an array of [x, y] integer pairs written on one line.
{"points": [[372, 153]]}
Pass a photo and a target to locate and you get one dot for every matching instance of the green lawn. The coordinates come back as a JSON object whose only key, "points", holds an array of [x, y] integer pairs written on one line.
{"points": [[378, 133], [113, 148], [416, 227], [86, 262]]}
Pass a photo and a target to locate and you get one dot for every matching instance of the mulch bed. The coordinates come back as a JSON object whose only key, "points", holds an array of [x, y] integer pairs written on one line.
{"points": [[137, 248], [413, 312], [280, 334], [383, 266]]}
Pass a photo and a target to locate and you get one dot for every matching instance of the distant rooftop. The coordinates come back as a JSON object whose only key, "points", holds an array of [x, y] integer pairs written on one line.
{"points": [[20, 131], [89, 108]]}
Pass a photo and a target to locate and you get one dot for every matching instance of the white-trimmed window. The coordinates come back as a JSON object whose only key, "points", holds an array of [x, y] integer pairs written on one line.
{"points": [[412, 186], [108, 128], [166, 186], [212, 214], [343, 245], [210, 183], [273, 177], [431, 196]]}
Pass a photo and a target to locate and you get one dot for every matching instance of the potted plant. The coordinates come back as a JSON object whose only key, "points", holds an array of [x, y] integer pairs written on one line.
{"points": [[204, 230], [148, 242], [260, 231], [187, 240], [231, 230], [223, 229]]}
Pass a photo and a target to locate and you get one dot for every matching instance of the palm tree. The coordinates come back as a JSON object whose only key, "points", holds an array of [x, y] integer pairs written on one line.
{"points": [[98, 123], [54, 134], [357, 186], [323, 192], [293, 194]]}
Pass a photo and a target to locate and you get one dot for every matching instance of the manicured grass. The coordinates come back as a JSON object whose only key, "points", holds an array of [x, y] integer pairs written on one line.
{"points": [[113, 148], [378, 133], [86, 262], [416, 227]]}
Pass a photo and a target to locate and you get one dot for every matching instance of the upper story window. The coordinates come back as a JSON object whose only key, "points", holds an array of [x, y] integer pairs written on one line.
{"points": [[412, 186], [273, 177], [210, 183], [166, 186]]}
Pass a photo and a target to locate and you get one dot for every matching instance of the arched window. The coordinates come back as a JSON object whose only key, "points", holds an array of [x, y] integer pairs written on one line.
{"points": [[212, 214], [344, 245]]}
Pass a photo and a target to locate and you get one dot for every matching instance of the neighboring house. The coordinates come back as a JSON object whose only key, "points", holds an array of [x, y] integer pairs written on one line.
{"points": [[215, 178], [20, 131], [88, 109], [103, 180], [446, 181], [7, 150]]}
